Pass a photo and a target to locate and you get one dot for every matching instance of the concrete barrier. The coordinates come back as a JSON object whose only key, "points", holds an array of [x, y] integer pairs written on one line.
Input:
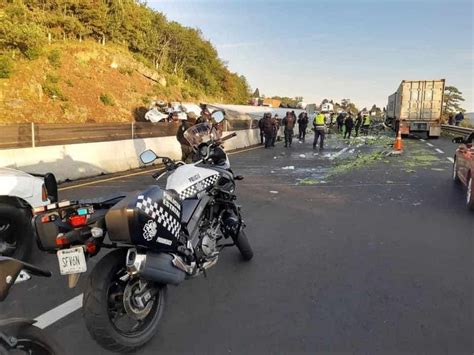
{"points": [[75, 161]]}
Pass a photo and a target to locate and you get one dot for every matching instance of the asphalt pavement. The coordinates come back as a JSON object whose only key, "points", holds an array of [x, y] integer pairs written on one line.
{"points": [[355, 251]]}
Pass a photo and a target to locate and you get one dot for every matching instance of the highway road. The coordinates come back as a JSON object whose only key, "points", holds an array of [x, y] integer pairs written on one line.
{"points": [[354, 252]]}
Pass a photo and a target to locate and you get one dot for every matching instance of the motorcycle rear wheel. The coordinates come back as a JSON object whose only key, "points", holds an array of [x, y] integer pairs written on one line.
{"points": [[105, 310]]}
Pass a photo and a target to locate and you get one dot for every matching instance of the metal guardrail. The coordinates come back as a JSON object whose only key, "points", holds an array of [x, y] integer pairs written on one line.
{"points": [[40, 135], [456, 129]]}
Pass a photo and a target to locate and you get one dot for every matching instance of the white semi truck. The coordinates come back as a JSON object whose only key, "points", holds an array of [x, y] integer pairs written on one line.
{"points": [[417, 106], [20, 193]]}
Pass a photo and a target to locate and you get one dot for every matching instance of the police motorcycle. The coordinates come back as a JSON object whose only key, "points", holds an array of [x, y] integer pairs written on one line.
{"points": [[159, 236], [18, 335]]}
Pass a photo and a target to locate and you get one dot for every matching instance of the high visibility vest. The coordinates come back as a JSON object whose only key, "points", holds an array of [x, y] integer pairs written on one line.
{"points": [[367, 121], [319, 120]]}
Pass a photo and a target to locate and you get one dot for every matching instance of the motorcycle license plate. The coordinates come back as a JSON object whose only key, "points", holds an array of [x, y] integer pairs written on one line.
{"points": [[72, 261]]}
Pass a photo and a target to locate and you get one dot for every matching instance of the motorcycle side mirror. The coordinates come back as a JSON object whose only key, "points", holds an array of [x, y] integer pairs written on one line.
{"points": [[458, 140], [148, 156], [218, 116], [51, 186]]}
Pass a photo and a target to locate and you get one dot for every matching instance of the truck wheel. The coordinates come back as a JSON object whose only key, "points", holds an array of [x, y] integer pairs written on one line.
{"points": [[470, 194], [16, 232]]}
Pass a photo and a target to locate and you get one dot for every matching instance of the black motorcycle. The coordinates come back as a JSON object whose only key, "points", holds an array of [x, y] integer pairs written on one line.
{"points": [[159, 236], [18, 335]]}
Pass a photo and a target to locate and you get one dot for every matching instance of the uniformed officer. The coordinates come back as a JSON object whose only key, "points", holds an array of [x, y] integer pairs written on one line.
{"points": [[319, 130]]}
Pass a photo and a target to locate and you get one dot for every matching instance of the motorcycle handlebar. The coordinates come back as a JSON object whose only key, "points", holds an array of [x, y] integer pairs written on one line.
{"points": [[159, 173]]}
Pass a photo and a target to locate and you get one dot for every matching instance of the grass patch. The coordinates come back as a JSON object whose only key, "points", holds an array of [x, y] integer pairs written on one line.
{"points": [[107, 99], [53, 91], [54, 58], [126, 71], [6, 67], [51, 88], [53, 78]]}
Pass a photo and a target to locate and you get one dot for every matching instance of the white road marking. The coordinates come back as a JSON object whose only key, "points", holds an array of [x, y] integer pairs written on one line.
{"points": [[451, 159], [61, 311], [422, 140], [439, 151], [429, 145]]}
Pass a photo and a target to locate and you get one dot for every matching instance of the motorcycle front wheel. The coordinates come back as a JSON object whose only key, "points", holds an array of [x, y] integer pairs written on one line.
{"points": [[242, 243], [113, 317], [30, 340]]}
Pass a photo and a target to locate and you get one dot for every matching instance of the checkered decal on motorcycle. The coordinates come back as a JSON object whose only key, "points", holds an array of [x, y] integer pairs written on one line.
{"points": [[193, 190], [159, 214]]}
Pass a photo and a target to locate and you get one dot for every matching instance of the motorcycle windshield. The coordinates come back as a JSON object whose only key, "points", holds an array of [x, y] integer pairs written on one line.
{"points": [[201, 133]]}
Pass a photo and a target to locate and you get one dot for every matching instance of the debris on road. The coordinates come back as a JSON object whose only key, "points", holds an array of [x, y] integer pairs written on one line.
{"points": [[273, 192], [309, 181], [302, 156]]}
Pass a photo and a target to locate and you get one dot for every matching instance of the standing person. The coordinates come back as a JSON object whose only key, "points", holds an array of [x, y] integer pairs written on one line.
{"points": [[294, 115], [451, 119], [186, 149], [349, 124], [276, 129], [358, 123], [205, 114], [289, 123], [366, 124], [319, 130], [260, 125], [340, 122], [268, 129], [302, 125], [458, 118]]}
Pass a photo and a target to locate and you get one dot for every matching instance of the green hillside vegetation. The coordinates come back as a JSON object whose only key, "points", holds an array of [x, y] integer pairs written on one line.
{"points": [[61, 37]]}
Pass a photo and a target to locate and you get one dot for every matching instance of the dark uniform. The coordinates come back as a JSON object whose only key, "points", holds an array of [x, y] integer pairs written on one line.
{"points": [[289, 123], [268, 124], [275, 129], [358, 124], [186, 149], [349, 123], [260, 126], [302, 125], [340, 122]]}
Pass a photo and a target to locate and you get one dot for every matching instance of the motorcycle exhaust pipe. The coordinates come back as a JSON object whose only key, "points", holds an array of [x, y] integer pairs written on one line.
{"points": [[155, 267]]}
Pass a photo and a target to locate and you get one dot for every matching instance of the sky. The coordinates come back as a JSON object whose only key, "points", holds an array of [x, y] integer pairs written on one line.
{"points": [[359, 49]]}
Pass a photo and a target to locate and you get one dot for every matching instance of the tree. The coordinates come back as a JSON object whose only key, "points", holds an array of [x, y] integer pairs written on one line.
{"points": [[452, 101], [345, 104], [256, 94], [376, 110], [175, 50]]}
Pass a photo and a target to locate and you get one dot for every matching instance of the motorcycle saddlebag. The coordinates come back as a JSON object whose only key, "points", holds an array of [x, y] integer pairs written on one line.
{"points": [[151, 218]]}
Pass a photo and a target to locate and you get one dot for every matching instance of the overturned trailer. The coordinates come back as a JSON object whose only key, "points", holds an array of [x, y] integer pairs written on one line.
{"points": [[417, 105]]}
